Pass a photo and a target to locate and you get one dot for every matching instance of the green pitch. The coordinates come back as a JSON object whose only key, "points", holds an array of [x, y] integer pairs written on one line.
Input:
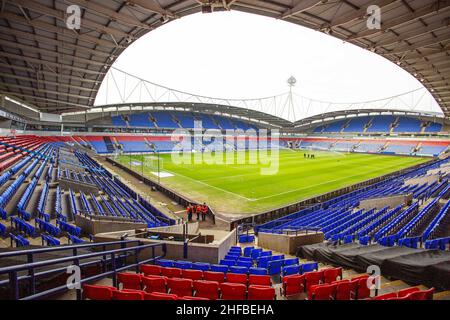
{"points": [[242, 189]]}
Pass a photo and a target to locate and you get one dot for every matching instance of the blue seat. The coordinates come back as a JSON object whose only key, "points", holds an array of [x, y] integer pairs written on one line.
{"points": [[263, 262], [183, 264], [290, 262], [236, 248], [165, 263], [201, 266], [243, 238], [258, 271], [245, 259], [248, 251], [291, 269], [310, 266], [219, 268], [278, 257], [227, 262], [231, 257], [256, 252], [275, 267], [265, 253], [247, 264], [239, 270]]}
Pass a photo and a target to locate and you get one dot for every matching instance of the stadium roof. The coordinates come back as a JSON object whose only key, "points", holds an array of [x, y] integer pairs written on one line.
{"points": [[59, 70]]}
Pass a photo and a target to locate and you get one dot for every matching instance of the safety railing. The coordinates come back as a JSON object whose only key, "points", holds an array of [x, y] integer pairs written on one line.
{"points": [[112, 258]]}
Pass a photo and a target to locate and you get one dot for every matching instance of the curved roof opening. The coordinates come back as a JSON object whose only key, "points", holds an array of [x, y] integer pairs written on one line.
{"points": [[236, 55]]}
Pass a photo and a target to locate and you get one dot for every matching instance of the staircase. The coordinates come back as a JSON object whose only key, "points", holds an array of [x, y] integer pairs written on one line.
{"points": [[152, 120], [417, 148], [386, 145], [424, 126], [109, 145], [367, 125], [345, 126], [394, 124]]}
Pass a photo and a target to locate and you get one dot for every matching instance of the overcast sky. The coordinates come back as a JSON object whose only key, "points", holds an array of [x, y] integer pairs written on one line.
{"points": [[239, 55]]}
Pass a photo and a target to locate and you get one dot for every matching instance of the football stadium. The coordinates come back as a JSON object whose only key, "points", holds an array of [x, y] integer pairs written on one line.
{"points": [[114, 187]]}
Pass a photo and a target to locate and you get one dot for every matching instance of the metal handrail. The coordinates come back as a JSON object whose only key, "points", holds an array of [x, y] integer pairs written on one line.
{"points": [[14, 279]]}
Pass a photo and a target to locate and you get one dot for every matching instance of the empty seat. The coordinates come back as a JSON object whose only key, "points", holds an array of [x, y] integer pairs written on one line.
{"points": [[148, 269], [180, 287], [206, 289], [421, 295], [261, 293], [263, 262], [293, 284], [313, 278], [193, 298], [290, 262], [322, 292], [129, 280], [386, 296], [192, 274], [258, 271], [256, 252], [310, 266], [201, 266], [165, 263], [343, 290], [230, 257], [237, 278], [219, 268], [128, 295], [214, 276], [154, 284], [259, 280], [233, 291], [246, 264], [248, 251], [405, 292], [288, 270], [160, 296], [183, 264], [245, 259], [359, 287], [93, 292], [171, 272], [240, 270], [275, 267], [332, 274], [228, 262]]}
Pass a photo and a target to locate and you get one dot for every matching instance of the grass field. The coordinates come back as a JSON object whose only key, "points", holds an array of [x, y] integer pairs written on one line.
{"points": [[241, 189]]}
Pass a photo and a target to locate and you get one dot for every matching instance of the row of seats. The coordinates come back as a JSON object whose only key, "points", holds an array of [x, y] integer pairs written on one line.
{"points": [[413, 293]]}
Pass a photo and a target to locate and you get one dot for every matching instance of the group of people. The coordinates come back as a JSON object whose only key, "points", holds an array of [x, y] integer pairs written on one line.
{"points": [[309, 156], [198, 209]]}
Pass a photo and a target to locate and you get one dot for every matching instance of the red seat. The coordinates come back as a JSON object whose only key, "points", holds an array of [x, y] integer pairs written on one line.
{"points": [[421, 295], [313, 278], [398, 298], [261, 293], [233, 291], [343, 290], [180, 287], [322, 292], [332, 274], [214, 276], [129, 280], [171, 272], [154, 284], [94, 292], [293, 284], [193, 298], [192, 274], [237, 278], [359, 287], [160, 296], [386, 296], [206, 289], [259, 280], [405, 292], [150, 270], [128, 294]]}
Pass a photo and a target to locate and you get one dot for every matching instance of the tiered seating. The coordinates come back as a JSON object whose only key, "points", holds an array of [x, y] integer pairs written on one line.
{"points": [[408, 125]]}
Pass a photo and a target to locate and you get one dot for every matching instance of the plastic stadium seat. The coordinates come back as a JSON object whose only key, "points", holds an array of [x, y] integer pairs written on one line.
{"points": [[154, 284], [310, 266], [385, 296], [261, 293], [129, 280], [228, 262], [343, 290], [240, 270], [248, 259], [165, 263], [258, 271], [192, 274], [180, 287], [332, 274], [230, 257], [322, 292], [246, 264], [275, 267], [263, 262], [290, 262], [183, 265], [405, 292], [278, 257], [292, 269], [94, 292], [237, 278], [293, 284], [248, 251], [259, 280], [214, 276], [398, 298], [201, 266], [233, 291], [219, 268], [193, 298], [421, 295], [265, 254], [206, 289], [128, 295], [359, 287], [148, 269], [160, 296], [256, 252], [171, 272], [313, 278]]}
